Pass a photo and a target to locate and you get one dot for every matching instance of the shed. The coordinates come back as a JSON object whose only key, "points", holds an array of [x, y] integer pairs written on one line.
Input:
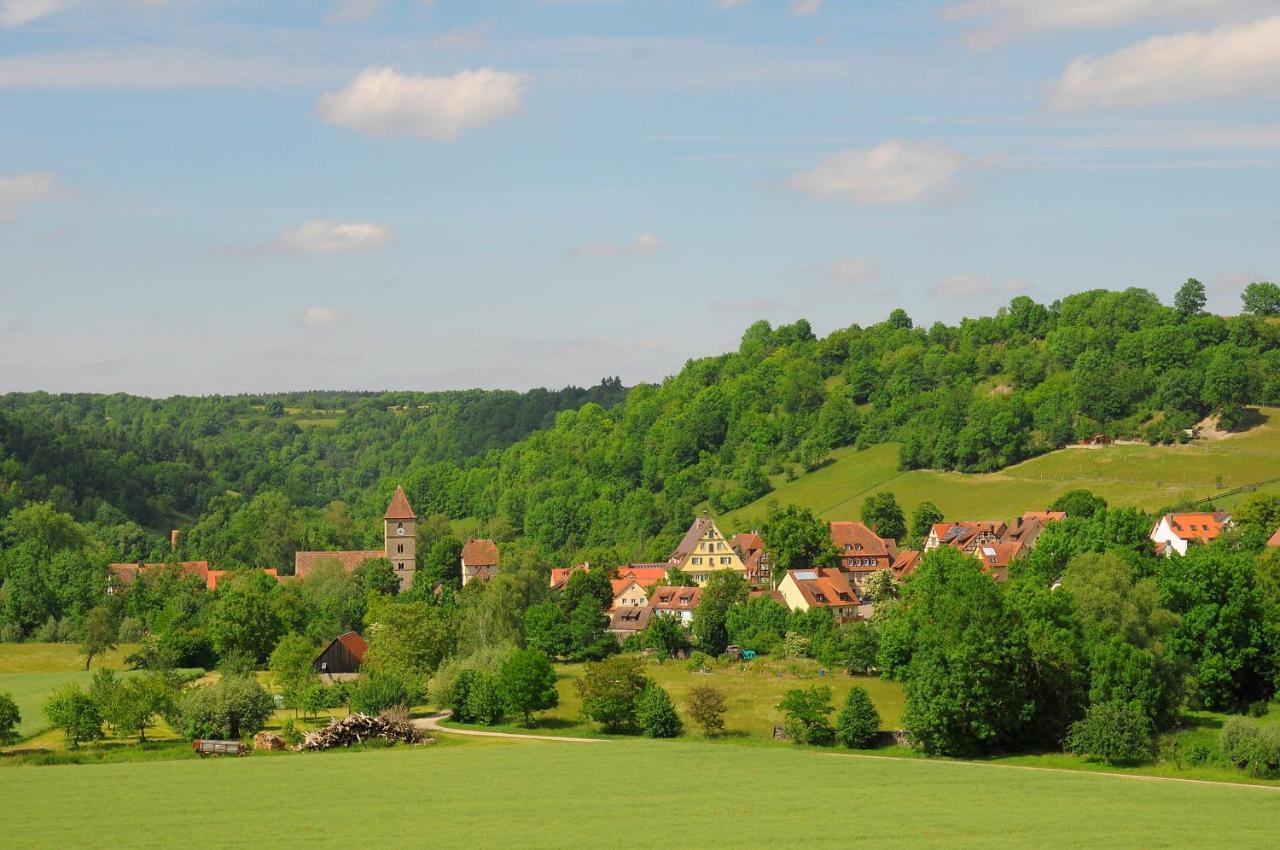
{"points": [[344, 654]]}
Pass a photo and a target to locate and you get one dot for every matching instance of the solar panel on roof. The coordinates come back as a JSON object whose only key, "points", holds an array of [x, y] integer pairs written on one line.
{"points": [[988, 551], [806, 575]]}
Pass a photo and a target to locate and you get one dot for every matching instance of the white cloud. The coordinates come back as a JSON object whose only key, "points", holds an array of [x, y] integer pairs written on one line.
{"points": [[464, 37], [852, 271], [319, 318], [321, 236], [642, 245], [958, 285], [383, 102], [21, 190], [15, 13], [892, 173], [1011, 19], [805, 7], [1232, 60]]}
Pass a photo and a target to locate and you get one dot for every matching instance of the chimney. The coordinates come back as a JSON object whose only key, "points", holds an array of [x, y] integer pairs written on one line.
{"points": [[173, 540]]}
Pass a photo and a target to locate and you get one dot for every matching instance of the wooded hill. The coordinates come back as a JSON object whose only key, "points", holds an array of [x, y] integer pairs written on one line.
{"points": [[618, 474]]}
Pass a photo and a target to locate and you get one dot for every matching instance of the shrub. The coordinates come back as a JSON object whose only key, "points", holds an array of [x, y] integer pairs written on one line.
{"points": [[656, 713], [706, 707], [290, 732], [609, 690], [1197, 753], [698, 662], [667, 635], [131, 630], [484, 699], [528, 683], [1114, 732], [1250, 747], [10, 633], [858, 722], [796, 645], [456, 700], [808, 712], [376, 691], [10, 717], [74, 712], [232, 708]]}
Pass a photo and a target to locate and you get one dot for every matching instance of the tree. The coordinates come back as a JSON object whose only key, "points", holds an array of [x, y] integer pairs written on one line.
{"points": [[137, 701], [798, 539], [677, 577], [1226, 384], [546, 630], [858, 722], [724, 589], [588, 633], [528, 683], [1079, 504], [1261, 299], [882, 586], [378, 576], [808, 714], [74, 712], [243, 617], [484, 698], [99, 634], [656, 713], [926, 515], [707, 706], [1190, 299], [410, 638], [609, 690], [1114, 732], [881, 513], [666, 634], [10, 718], [231, 708], [291, 665]]}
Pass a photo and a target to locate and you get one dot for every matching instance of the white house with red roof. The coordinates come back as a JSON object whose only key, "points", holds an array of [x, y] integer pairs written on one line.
{"points": [[821, 587], [1175, 532]]}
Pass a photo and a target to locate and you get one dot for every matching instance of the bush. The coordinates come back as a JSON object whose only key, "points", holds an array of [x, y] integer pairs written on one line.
{"points": [[808, 712], [74, 712], [698, 662], [374, 692], [456, 699], [10, 633], [484, 699], [706, 707], [10, 717], [609, 691], [131, 630], [858, 723], [528, 683], [1250, 747], [290, 732], [445, 682], [1114, 732], [232, 708], [796, 645], [666, 634], [1197, 753], [656, 713]]}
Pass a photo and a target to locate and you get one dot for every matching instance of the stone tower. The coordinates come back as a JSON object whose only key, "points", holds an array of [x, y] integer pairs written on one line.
{"points": [[400, 525]]}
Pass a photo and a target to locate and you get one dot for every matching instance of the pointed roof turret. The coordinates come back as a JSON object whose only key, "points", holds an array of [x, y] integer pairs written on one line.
{"points": [[399, 508]]}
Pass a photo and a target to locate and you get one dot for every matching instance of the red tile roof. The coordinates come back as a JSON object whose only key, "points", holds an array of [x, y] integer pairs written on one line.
{"points": [[1201, 526], [128, 573], [646, 577], [906, 562], [668, 598], [1044, 516], [997, 556], [690, 540], [827, 588], [480, 553], [1275, 539], [354, 644], [305, 562], [399, 507]]}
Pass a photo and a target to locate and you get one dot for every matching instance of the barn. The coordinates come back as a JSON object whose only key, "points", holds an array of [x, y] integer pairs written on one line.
{"points": [[343, 656]]}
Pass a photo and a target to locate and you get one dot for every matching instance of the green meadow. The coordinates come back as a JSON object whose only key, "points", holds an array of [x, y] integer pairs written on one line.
{"points": [[1141, 476], [616, 794], [32, 671]]}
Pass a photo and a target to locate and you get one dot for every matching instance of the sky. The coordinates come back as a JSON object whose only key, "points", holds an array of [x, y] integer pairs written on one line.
{"points": [[222, 196]]}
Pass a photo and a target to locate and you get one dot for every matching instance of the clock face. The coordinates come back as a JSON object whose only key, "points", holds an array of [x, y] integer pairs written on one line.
{"points": [[400, 530]]}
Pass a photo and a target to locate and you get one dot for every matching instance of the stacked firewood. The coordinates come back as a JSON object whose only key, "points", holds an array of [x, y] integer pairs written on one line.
{"points": [[358, 728]]}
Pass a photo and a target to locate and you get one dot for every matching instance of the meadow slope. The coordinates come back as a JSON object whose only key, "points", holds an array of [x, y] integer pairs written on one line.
{"points": [[1128, 475]]}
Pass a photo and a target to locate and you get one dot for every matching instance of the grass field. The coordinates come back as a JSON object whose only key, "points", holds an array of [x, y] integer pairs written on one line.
{"points": [[616, 794], [32, 671], [1127, 475]]}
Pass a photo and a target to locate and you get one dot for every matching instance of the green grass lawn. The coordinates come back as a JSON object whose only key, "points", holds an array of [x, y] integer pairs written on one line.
{"points": [[1127, 475], [615, 794], [32, 671]]}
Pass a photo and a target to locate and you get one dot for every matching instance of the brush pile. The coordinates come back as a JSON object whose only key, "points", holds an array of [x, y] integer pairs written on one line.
{"points": [[359, 728]]}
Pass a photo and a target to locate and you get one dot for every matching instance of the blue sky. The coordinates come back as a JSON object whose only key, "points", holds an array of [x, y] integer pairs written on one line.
{"points": [[223, 195]]}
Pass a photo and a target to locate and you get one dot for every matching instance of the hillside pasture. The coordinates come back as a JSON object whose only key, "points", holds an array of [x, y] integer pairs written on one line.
{"points": [[525, 794], [32, 671], [1128, 475]]}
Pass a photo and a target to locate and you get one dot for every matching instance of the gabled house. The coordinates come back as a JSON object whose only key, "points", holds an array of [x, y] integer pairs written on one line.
{"points": [[479, 560], [624, 622], [750, 548], [821, 587], [703, 550], [906, 562], [996, 558], [675, 602], [1027, 528], [1175, 532], [646, 575], [862, 552], [965, 536], [628, 593]]}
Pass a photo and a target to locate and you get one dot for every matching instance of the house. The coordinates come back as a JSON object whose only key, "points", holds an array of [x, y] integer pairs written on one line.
{"points": [[862, 552], [399, 545], [906, 562], [1174, 532], [820, 587], [123, 575], [1027, 528], [628, 593], [996, 558], [675, 602], [342, 657], [704, 550], [965, 536], [647, 575], [624, 622], [1275, 539], [479, 560], [750, 549]]}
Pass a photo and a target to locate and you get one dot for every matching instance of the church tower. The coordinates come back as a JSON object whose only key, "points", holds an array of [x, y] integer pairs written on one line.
{"points": [[400, 525]]}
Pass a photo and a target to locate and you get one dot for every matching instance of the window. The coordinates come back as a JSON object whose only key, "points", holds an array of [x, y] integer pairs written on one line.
{"points": [[697, 561], [724, 560], [399, 548]]}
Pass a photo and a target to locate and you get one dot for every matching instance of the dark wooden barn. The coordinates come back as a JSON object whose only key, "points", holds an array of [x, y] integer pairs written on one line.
{"points": [[343, 655]]}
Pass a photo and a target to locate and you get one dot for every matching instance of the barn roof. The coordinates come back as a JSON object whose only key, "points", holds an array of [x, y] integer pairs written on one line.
{"points": [[354, 644]]}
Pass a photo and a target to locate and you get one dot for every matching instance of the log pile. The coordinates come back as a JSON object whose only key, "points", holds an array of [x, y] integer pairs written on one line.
{"points": [[358, 728], [268, 741]]}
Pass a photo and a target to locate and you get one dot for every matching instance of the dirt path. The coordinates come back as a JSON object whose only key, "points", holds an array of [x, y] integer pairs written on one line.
{"points": [[431, 723]]}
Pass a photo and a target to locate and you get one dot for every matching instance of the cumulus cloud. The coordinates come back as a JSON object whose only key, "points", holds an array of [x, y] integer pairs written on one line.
{"points": [[319, 318], [644, 244], [15, 13], [892, 173], [382, 102], [321, 236], [1010, 19], [21, 190], [1232, 60], [805, 7], [958, 285], [851, 271]]}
